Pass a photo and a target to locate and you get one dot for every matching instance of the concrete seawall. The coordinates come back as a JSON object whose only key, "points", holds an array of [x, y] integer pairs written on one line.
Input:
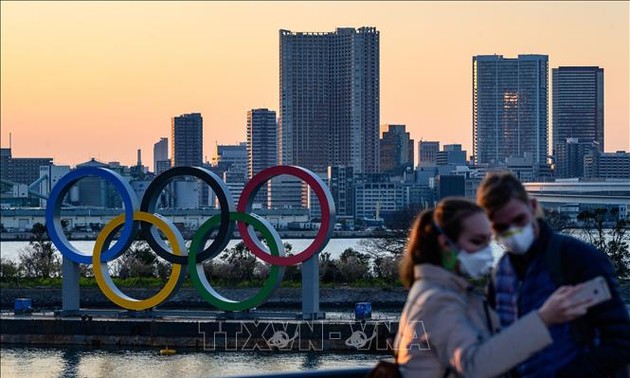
{"points": [[203, 328], [199, 333]]}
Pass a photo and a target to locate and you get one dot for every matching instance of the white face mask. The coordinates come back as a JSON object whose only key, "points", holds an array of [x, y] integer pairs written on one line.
{"points": [[476, 264], [517, 240]]}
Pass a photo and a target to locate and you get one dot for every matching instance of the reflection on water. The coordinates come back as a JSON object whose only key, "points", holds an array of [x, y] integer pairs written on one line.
{"points": [[78, 362]]}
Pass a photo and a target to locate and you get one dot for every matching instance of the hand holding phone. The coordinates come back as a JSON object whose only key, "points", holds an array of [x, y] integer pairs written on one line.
{"points": [[570, 302], [594, 291]]}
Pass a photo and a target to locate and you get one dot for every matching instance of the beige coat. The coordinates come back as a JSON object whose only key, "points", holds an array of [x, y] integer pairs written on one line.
{"points": [[446, 326]]}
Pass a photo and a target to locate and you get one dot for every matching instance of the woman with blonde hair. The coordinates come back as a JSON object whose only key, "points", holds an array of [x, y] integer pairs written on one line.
{"points": [[445, 328]]}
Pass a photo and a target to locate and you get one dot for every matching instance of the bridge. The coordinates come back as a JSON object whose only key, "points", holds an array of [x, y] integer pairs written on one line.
{"points": [[615, 194]]}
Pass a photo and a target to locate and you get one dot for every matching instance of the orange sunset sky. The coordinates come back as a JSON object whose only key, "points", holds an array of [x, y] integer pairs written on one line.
{"points": [[103, 79]]}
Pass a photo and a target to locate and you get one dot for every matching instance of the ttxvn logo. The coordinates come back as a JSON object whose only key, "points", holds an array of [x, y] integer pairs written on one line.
{"points": [[304, 336]]}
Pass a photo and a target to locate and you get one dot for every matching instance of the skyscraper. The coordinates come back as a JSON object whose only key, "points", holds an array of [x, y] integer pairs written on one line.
{"points": [[329, 99], [397, 150], [262, 140], [187, 137], [160, 156], [578, 106], [510, 108]]}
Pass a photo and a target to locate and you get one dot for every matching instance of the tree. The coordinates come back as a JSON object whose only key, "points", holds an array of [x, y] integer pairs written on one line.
{"points": [[238, 264], [328, 270], [613, 241], [559, 222], [141, 261], [39, 259], [241, 262], [8, 270], [387, 268], [353, 265]]}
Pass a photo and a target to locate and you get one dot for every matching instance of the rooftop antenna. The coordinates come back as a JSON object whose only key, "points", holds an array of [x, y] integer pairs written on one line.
{"points": [[10, 141]]}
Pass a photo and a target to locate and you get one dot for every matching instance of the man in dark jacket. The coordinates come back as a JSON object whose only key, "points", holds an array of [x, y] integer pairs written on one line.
{"points": [[538, 262]]}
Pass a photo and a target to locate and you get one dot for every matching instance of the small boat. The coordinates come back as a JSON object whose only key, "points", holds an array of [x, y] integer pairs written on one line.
{"points": [[167, 352]]}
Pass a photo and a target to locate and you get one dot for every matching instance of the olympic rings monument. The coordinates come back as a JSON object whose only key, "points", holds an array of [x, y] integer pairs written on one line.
{"points": [[139, 219]]}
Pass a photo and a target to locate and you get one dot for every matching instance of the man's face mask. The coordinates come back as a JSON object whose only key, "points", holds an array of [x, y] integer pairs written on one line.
{"points": [[518, 240]]}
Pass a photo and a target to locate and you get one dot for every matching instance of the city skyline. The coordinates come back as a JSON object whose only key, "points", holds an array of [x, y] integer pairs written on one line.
{"points": [[67, 70]]}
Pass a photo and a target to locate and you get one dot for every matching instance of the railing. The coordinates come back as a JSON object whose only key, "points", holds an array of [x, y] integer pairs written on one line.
{"points": [[359, 372]]}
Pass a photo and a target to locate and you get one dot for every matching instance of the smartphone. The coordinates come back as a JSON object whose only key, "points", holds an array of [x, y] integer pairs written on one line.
{"points": [[595, 289]]}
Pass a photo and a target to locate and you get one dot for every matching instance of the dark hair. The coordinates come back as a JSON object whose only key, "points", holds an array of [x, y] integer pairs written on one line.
{"points": [[422, 244], [499, 188]]}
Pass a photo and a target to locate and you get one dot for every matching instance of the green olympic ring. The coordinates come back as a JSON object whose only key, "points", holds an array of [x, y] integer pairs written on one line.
{"points": [[198, 276]]}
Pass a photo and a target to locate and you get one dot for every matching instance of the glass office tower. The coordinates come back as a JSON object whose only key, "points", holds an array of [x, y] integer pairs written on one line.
{"points": [[329, 99], [510, 108], [187, 137], [578, 105]]}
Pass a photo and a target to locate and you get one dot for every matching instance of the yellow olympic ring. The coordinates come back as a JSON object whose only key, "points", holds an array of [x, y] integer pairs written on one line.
{"points": [[101, 270]]}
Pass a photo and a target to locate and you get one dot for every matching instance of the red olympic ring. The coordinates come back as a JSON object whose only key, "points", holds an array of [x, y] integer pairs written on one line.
{"points": [[326, 202]]}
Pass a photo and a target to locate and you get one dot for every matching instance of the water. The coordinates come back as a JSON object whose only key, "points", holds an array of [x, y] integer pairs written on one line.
{"points": [[11, 249], [82, 362]]}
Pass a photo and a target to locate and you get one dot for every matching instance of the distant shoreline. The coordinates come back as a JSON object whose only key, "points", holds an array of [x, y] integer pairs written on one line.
{"points": [[298, 234], [91, 236]]}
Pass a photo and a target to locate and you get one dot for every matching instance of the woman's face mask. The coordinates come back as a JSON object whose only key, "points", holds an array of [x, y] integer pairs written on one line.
{"points": [[518, 240], [476, 264], [473, 264]]}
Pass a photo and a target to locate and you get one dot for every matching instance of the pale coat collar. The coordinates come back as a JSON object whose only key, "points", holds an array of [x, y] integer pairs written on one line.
{"points": [[441, 276]]}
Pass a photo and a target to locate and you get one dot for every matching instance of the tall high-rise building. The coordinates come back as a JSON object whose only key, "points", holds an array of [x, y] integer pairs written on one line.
{"points": [[578, 105], [427, 153], [329, 99], [262, 140], [187, 137], [510, 108], [160, 155], [397, 149]]}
